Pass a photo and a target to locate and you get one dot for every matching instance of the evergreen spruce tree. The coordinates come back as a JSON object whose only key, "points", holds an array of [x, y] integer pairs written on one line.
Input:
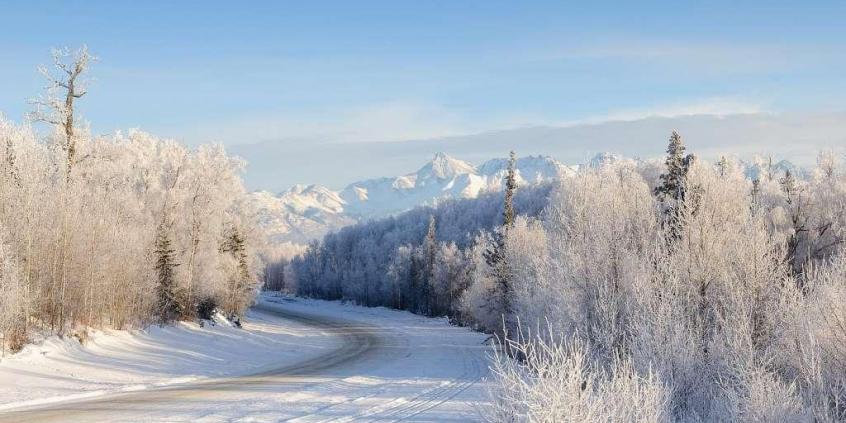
{"points": [[769, 168], [239, 286], [756, 195], [672, 184], [430, 249], [510, 187], [723, 166], [673, 189], [788, 186], [415, 280], [500, 297], [798, 220], [169, 306]]}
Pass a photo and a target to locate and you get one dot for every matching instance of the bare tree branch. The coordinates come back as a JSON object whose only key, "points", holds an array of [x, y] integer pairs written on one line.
{"points": [[56, 107]]}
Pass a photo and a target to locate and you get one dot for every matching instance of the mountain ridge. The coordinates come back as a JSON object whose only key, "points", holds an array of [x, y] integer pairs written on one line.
{"points": [[306, 212]]}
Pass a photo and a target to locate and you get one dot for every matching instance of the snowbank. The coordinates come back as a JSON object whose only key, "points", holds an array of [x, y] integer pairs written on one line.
{"points": [[116, 361]]}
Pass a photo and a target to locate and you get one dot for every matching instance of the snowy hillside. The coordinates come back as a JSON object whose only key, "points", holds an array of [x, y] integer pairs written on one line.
{"points": [[300, 214], [761, 168], [443, 177], [308, 212]]}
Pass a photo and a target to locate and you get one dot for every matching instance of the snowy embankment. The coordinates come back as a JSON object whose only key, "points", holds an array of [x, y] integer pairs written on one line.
{"points": [[304, 360], [62, 369]]}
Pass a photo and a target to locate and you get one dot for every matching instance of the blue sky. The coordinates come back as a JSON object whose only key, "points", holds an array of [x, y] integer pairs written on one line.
{"points": [[247, 72]]}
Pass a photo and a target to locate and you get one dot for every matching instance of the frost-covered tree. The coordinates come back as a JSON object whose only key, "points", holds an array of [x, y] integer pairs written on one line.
{"points": [[399, 275], [66, 84], [240, 282], [450, 279], [14, 300], [275, 275], [84, 246]]}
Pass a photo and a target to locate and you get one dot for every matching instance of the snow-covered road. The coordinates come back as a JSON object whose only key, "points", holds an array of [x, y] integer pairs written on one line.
{"points": [[367, 365]]}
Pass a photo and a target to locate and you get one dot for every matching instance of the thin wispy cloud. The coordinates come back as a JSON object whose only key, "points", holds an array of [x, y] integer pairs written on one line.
{"points": [[399, 122], [394, 121], [708, 107]]}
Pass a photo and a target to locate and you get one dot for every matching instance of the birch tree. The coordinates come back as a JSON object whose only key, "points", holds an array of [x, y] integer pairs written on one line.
{"points": [[66, 84]]}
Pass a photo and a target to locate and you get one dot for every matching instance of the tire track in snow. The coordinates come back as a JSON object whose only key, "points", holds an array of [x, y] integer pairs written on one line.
{"points": [[424, 401]]}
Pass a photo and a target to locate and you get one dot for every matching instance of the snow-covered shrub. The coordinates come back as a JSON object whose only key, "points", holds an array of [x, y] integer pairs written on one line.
{"points": [[759, 396], [475, 301], [812, 345], [557, 382]]}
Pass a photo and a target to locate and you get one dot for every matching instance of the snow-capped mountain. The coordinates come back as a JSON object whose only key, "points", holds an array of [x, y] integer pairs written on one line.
{"points": [[300, 214], [308, 212], [606, 158], [761, 168], [442, 178]]}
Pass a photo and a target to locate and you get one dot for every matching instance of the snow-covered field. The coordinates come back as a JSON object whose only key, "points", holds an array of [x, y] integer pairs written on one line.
{"points": [[294, 359]]}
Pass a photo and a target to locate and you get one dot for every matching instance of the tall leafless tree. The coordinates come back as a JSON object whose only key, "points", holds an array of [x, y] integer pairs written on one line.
{"points": [[66, 84]]}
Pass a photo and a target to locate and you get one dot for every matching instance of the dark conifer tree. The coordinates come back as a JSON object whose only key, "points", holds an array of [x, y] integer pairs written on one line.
{"points": [[510, 187], [673, 181], [673, 189], [723, 166], [795, 256], [500, 297], [235, 244], [788, 186], [429, 249], [168, 304], [756, 195]]}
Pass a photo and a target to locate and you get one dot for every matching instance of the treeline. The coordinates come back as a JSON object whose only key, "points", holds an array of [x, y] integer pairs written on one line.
{"points": [[114, 231], [417, 261], [675, 291]]}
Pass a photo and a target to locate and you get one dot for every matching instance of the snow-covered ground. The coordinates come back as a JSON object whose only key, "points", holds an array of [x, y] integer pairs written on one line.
{"points": [[111, 361], [294, 359]]}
